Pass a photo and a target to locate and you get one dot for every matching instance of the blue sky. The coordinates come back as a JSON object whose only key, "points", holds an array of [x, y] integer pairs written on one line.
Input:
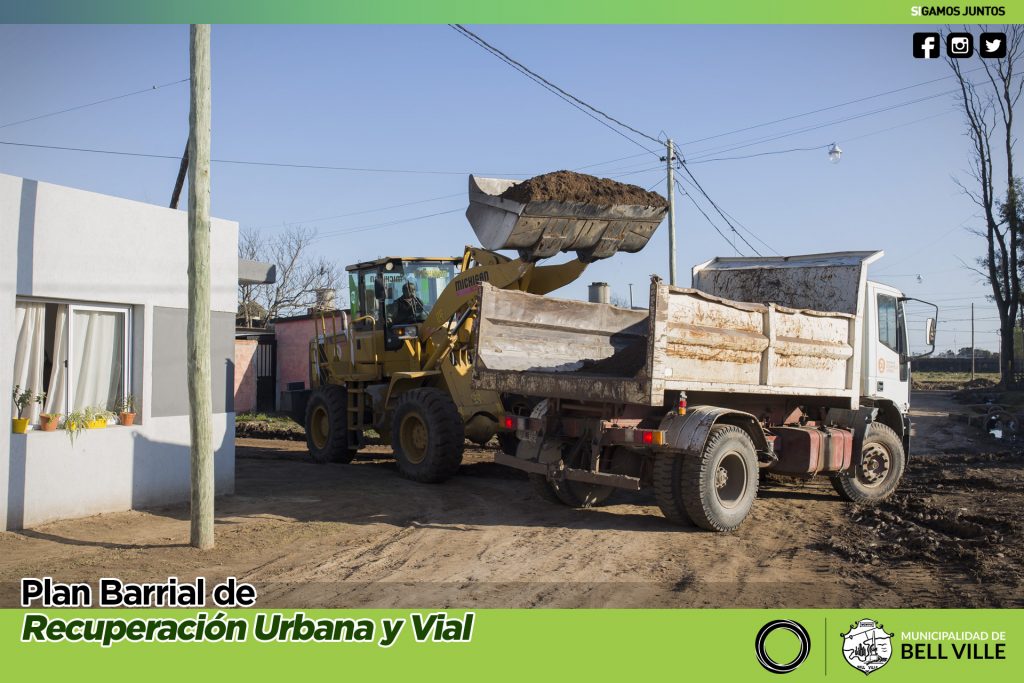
{"points": [[425, 98]]}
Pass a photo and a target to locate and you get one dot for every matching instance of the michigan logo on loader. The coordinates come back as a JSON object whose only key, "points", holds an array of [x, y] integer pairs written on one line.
{"points": [[866, 646]]}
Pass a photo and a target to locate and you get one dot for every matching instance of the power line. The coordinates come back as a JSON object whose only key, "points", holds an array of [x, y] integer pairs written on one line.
{"points": [[708, 219], [828, 108], [583, 106], [92, 104], [762, 154], [375, 226], [359, 213], [245, 162], [749, 143], [718, 209]]}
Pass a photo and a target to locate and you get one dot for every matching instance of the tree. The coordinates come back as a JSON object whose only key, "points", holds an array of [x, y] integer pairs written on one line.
{"points": [[988, 104], [300, 273]]}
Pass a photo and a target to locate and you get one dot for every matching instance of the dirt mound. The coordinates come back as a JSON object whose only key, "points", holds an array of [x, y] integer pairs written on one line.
{"points": [[625, 363], [566, 186]]}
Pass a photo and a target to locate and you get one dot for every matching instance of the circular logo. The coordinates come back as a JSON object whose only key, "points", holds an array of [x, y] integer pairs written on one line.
{"points": [[793, 627], [881, 365]]}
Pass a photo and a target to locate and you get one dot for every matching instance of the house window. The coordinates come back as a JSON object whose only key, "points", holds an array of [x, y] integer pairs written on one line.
{"points": [[78, 354]]}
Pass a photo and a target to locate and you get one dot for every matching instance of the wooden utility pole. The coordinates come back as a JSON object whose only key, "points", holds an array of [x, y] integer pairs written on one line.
{"points": [[198, 349], [670, 158], [972, 341]]}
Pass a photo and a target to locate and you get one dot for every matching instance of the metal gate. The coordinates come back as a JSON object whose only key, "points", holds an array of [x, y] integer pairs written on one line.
{"points": [[266, 375]]}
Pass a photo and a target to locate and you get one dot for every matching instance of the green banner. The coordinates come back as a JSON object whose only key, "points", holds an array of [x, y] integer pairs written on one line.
{"points": [[524, 11], [454, 645]]}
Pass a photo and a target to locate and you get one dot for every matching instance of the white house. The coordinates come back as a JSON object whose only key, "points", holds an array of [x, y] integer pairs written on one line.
{"points": [[93, 307]]}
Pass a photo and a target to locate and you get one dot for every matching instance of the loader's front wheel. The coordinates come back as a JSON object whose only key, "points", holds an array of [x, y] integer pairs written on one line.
{"points": [[427, 435], [714, 490], [876, 473], [327, 427]]}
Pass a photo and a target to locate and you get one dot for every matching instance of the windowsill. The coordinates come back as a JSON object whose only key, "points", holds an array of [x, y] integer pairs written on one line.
{"points": [[32, 432]]}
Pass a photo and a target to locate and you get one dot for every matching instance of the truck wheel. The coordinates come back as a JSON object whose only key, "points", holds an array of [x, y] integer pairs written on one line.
{"points": [[575, 494], [327, 426], [714, 490], [427, 435], [876, 474], [543, 488]]}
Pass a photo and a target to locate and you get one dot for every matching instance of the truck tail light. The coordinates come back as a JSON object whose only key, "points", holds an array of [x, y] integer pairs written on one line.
{"points": [[682, 404], [648, 437], [510, 423]]}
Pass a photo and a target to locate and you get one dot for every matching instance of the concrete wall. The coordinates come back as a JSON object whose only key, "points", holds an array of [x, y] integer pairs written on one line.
{"points": [[68, 245], [245, 375]]}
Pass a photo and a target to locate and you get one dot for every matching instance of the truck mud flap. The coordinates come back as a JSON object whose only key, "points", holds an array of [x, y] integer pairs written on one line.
{"points": [[620, 481]]}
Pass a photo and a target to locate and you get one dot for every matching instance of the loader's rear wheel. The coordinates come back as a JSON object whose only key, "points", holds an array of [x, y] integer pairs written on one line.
{"points": [[714, 490], [327, 426], [875, 475], [427, 435]]}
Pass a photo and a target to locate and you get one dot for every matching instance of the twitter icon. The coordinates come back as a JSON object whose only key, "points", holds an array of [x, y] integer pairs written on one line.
{"points": [[993, 45]]}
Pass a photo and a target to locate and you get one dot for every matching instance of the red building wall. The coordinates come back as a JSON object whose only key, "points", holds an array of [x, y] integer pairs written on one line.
{"points": [[293, 338], [245, 375]]}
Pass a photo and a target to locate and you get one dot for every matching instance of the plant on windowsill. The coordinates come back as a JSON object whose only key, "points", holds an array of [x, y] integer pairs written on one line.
{"points": [[47, 421], [97, 417], [74, 424], [128, 411], [19, 425]]}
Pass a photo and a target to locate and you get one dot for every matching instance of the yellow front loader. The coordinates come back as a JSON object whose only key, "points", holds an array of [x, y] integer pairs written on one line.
{"points": [[400, 360]]}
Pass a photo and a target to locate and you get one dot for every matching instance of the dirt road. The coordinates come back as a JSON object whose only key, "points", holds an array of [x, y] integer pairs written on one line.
{"points": [[358, 535]]}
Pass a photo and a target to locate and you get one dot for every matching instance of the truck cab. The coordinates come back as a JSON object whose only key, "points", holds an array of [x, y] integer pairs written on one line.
{"points": [[885, 374]]}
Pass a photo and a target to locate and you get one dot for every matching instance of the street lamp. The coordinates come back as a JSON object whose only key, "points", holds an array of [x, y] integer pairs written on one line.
{"points": [[834, 153]]}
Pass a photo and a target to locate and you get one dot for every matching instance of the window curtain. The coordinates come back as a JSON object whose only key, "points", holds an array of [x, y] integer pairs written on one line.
{"points": [[57, 392], [98, 358], [29, 354]]}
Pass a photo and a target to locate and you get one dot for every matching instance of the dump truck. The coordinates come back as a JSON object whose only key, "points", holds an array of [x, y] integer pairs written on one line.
{"points": [[400, 360], [796, 366]]}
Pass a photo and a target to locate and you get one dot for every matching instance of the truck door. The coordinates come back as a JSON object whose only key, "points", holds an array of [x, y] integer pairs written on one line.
{"points": [[888, 370]]}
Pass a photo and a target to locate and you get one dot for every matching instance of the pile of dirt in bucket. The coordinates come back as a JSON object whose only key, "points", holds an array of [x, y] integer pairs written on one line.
{"points": [[566, 186]]}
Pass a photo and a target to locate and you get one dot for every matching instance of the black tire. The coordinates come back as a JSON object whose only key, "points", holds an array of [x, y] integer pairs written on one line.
{"points": [[876, 470], [574, 494], [427, 435], [714, 490], [327, 427], [508, 442], [543, 488]]}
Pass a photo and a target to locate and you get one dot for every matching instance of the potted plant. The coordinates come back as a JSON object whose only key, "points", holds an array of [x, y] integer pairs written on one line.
{"points": [[97, 417], [19, 425], [47, 421], [74, 423], [128, 410]]}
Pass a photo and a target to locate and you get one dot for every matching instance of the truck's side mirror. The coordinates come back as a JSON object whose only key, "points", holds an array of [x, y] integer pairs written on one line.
{"points": [[929, 331], [378, 289]]}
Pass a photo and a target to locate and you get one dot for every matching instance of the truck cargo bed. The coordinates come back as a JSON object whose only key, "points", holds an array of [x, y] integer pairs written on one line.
{"points": [[687, 341]]}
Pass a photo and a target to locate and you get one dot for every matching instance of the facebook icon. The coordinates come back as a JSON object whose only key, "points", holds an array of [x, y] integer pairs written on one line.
{"points": [[926, 45]]}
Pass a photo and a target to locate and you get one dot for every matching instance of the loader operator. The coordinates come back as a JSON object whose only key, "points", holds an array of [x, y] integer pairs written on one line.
{"points": [[410, 308]]}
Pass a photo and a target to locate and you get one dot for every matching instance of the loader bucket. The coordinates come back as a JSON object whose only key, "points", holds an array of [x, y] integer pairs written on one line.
{"points": [[540, 229]]}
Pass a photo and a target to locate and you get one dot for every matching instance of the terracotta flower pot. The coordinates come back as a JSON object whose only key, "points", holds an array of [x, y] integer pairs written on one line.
{"points": [[48, 423], [127, 419], [19, 425]]}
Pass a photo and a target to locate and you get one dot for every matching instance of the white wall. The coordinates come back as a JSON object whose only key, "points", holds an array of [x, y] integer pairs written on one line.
{"points": [[70, 245]]}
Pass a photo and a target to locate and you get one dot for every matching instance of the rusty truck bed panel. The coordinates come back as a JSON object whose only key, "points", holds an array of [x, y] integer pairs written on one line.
{"points": [[541, 346], [707, 343]]}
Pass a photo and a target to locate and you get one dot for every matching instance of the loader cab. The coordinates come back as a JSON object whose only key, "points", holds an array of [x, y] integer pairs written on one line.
{"points": [[888, 342], [395, 294]]}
